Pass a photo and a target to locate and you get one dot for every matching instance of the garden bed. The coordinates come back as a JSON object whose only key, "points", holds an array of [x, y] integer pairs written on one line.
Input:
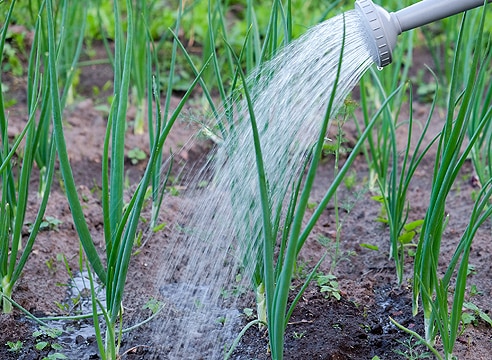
{"points": [[355, 327]]}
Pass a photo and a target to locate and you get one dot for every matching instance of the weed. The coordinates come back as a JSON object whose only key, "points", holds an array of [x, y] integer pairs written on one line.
{"points": [[328, 284], [15, 346], [48, 223], [248, 312], [413, 350], [159, 227], [298, 335], [44, 338], [153, 305], [136, 155], [476, 312], [15, 53], [350, 180], [409, 236], [50, 332], [474, 290], [471, 270], [51, 265]]}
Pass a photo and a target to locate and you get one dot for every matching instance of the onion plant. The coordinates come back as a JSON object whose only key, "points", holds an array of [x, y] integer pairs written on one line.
{"points": [[254, 53], [277, 272], [271, 278], [120, 222], [38, 146], [432, 290], [282, 237], [374, 87], [481, 153], [139, 68], [13, 203], [395, 169]]}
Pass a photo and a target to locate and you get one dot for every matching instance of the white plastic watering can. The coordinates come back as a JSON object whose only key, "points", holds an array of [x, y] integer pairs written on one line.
{"points": [[384, 27]]}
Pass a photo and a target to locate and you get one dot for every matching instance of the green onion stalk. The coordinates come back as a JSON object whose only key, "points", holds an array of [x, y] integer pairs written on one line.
{"points": [[452, 154], [120, 222], [16, 182]]}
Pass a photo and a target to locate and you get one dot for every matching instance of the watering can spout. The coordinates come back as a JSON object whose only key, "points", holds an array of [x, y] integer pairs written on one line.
{"points": [[384, 27]]}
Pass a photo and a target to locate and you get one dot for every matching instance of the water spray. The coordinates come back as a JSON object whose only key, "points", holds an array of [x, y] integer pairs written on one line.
{"points": [[385, 27]]}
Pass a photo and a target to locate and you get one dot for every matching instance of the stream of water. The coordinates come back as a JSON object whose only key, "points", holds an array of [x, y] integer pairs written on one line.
{"points": [[201, 267]]}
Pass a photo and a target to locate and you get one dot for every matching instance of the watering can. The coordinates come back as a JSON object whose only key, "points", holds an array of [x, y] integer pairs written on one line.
{"points": [[384, 27]]}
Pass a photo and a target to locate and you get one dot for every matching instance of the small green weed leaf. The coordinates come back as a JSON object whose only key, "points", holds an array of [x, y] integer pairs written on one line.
{"points": [[329, 284], [14, 346], [336, 295], [55, 356], [485, 317], [174, 191], [138, 239], [325, 279], [48, 331], [153, 305], [329, 148], [350, 180], [378, 198], [471, 306], [136, 155], [471, 270], [478, 311], [468, 318], [474, 291], [414, 225], [426, 92], [50, 223], [41, 345], [369, 246], [159, 227], [53, 332], [382, 220], [299, 335], [56, 347], [202, 184], [62, 306], [407, 237], [248, 312]]}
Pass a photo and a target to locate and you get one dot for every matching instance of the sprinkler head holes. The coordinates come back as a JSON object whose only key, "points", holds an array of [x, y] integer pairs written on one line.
{"points": [[382, 28]]}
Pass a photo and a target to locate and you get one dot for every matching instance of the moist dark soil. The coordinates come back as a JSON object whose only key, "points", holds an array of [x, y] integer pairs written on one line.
{"points": [[357, 326]]}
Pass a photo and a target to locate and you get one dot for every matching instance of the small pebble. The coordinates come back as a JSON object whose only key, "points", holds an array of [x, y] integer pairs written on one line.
{"points": [[79, 339]]}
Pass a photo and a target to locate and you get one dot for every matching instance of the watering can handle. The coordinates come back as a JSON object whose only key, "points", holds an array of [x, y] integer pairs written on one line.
{"points": [[427, 11]]}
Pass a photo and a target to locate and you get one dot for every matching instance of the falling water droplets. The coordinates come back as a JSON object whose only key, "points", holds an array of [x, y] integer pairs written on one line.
{"points": [[217, 236]]}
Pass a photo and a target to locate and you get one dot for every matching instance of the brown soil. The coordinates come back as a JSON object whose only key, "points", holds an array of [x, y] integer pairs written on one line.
{"points": [[355, 327]]}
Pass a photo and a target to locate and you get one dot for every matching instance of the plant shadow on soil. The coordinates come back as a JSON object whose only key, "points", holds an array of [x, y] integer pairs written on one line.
{"points": [[355, 327]]}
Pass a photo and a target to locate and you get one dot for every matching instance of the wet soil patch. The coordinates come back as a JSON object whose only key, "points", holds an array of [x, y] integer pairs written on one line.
{"points": [[326, 328]]}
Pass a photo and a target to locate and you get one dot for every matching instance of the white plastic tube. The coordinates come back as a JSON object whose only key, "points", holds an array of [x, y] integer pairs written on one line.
{"points": [[427, 11]]}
